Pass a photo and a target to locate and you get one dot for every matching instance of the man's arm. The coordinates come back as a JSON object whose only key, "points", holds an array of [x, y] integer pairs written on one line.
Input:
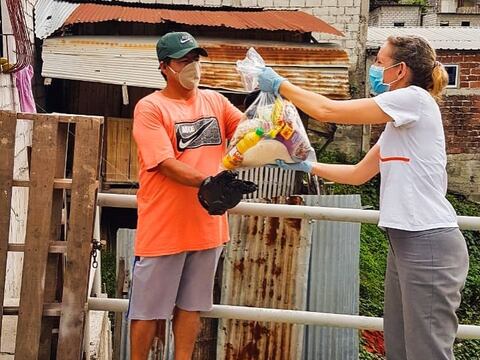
{"points": [[180, 172]]}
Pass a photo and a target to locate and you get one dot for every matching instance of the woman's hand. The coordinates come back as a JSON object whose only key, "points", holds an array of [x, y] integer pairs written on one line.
{"points": [[305, 166], [270, 81]]}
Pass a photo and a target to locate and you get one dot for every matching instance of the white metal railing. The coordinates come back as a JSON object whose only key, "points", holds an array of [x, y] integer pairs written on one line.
{"points": [[297, 211], [277, 315], [283, 316]]}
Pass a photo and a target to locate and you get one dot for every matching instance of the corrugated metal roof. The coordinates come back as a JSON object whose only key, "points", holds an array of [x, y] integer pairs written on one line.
{"points": [[50, 15], [132, 61], [445, 38], [333, 283], [266, 265], [263, 20]]}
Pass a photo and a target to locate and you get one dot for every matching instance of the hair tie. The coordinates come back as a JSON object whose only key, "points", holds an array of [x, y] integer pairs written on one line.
{"points": [[437, 63]]}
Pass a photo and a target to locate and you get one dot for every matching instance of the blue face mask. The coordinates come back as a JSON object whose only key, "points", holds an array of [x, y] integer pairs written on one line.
{"points": [[376, 79]]}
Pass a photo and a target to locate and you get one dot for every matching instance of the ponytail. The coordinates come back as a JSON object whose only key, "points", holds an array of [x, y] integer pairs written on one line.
{"points": [[420, 57], [439, 81]]}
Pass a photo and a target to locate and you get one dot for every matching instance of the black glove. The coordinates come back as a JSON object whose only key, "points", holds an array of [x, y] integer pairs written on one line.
{"points": [[223, 191]]}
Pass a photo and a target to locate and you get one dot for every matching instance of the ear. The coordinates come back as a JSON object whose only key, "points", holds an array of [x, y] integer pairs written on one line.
{"points": [[403, 70], [162, 66]]}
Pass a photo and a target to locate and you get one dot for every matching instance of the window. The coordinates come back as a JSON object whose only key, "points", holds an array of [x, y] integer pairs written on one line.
{"points": [[465, 23], [467, 3], [399, 24], [444, 23], [452, 71]]}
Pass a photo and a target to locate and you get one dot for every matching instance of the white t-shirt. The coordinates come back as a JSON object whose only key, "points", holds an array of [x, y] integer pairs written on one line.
{"points": [[412, 163]]}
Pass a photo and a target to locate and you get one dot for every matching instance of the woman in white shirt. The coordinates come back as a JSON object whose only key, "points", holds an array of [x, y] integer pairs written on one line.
{"points": [[428, 260]]}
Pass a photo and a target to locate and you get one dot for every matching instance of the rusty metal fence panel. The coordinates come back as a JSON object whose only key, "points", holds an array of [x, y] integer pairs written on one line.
{"points": [[271, 181], [333, 284], [266, 265]]}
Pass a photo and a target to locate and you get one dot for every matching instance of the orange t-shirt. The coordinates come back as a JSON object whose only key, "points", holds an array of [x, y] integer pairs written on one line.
{"points": [[170, 217]]}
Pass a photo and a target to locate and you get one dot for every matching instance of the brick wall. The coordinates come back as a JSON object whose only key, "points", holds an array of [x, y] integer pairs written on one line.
{"points": [[461, 121], [388, 15], [469, 66]]}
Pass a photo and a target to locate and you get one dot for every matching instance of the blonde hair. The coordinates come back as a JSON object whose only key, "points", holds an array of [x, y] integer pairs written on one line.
{"points": [[420, 57]]}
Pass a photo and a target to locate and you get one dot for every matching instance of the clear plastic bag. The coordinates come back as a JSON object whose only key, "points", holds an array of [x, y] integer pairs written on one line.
{"points": [[271, 130]]}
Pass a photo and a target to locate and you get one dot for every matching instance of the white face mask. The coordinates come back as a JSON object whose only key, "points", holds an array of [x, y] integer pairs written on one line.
{"points": [[189, 76]]}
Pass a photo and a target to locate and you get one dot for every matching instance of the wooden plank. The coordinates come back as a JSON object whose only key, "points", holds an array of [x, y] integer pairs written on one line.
{"points": [[53, 277], [133, 171], [49, 310], [117, 335], [8, 124], [61, 118], [110, 145], [55, 247], [79, 236], [38, 235], [60, 183], [118, 149]]}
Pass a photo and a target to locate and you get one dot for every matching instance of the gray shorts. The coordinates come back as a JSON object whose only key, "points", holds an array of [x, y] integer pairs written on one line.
{"points": [[184, 280]]}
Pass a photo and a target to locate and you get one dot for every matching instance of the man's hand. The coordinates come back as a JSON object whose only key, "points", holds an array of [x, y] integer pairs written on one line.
{"points": [[270, 81], [223, 191]]}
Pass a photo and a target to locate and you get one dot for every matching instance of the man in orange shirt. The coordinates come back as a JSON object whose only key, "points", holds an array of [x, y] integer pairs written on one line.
{"points": [[181, 133]]}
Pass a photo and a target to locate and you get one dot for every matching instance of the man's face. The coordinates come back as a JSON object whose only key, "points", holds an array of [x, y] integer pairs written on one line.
{"points": [[178, 64]]}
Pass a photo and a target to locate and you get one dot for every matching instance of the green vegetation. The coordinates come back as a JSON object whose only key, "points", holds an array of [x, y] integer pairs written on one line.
{"points": [[373, 251]]}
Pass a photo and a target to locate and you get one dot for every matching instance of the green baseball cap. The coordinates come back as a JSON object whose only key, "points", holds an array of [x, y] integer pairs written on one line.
{"points": [[175, 45]]}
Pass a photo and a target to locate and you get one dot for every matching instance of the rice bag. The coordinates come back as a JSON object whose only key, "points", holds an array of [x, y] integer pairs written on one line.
{"points": [[271, 129]]}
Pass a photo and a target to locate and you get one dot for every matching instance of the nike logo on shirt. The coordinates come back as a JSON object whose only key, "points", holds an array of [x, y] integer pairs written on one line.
{"points": [[204, 131]]}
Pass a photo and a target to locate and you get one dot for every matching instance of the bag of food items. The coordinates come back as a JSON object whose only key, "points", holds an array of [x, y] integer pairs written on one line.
{"points": [[271, 129]]}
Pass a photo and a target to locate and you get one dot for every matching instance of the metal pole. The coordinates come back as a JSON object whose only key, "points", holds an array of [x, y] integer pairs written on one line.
{"points": [[283, 316], [299, 212]]}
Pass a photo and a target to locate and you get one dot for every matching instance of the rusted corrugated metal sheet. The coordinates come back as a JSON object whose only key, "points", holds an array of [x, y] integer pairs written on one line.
{"points": [[287, 20], [266, 265], [333, 284], [132, 61]]}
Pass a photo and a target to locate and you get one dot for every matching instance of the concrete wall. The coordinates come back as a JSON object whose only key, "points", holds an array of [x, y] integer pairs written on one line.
{"points": [[388, 15], [9, 101], [433, 19]]}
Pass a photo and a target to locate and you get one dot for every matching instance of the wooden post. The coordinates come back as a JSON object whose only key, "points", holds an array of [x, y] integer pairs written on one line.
{"points": [[49, 299], [79, 237], [54, 270], [44, 148], [8, 122], [117, 336]]}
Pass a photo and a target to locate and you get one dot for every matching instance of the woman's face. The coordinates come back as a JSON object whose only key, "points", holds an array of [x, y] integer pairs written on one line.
{"points": [[393, 71]]}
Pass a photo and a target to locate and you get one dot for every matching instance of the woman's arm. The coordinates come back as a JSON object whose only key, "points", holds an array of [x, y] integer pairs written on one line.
{"points": [[321, 108], [356, 174]]}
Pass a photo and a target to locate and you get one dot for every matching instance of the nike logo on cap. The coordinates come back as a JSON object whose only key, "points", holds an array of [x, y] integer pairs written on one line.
{"points": [[184, 40]]}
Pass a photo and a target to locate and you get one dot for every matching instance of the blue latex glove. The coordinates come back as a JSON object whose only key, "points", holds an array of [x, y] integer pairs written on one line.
{"points": [[305, 166], [270, 81]]}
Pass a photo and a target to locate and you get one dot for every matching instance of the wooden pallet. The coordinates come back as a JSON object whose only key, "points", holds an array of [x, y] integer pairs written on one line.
{"points": [[56, 261]]}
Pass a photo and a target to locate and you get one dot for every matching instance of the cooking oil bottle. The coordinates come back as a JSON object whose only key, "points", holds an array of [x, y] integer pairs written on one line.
{"points": [[234, 157]]}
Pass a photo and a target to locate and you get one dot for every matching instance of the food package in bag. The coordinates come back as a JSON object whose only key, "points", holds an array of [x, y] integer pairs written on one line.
{"points": [[271, 128]]}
